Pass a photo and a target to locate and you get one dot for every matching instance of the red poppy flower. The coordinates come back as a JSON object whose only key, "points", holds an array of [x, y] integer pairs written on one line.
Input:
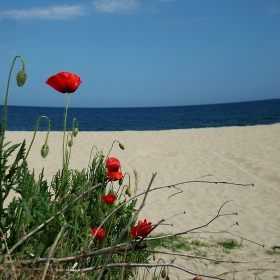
{"points": [[142, 229], [113, 164], [100, 234], [64, 82], [115, 176], [109, 198]]}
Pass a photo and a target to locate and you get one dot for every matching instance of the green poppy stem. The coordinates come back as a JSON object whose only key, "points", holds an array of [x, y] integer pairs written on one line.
{"points": [[120, 144], [3, 129], [64, 131], [36, 129], [7, 94]]}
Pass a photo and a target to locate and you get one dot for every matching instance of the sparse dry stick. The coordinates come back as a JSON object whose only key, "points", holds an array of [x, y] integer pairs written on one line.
{"points": [[126, 228], [136, 181], [193, 230], [147, 265], [204, 258], [51, 252], [249, 269], [8, 252], [117, 247]]}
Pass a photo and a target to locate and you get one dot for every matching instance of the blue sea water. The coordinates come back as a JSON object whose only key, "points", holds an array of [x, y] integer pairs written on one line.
{"points": [[149, 118]]}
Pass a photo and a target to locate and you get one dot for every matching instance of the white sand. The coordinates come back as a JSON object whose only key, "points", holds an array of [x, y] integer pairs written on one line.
{"points": [[231, 154]]}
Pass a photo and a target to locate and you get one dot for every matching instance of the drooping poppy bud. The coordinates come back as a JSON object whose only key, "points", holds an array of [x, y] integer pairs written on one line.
{"points": [[163, 273], [128, 191], [21, 78], [121, 146], [75, 131], [116, 203], [45, 150], [120, 181], [70, 143]]}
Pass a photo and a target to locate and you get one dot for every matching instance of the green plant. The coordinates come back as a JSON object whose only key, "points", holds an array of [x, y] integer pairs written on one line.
{"points": [[82, 223], [275, 250], [229, 243], [47, 220]]}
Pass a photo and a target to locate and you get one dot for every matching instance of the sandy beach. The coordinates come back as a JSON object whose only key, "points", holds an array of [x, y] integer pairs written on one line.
{"points": [[241, 155]]}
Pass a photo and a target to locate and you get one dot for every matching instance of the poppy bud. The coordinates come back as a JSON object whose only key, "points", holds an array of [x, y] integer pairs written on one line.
{"points": [[44, 150], [120, 181], [21, 78], [121, 146], [116, 203], [128, 191], [75, 131], [70, 143], [163, 273]]}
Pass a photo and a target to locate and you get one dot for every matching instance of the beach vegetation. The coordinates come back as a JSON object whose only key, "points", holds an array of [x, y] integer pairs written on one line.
{"points": [[275, 250], [84, 224]]}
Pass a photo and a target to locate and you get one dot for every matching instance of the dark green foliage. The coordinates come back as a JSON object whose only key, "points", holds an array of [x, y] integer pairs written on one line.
{"points": [[38, 201]]}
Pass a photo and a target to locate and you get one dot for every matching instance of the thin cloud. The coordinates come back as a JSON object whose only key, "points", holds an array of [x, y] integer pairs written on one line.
{"points": [[62, 12], [273, 10], [112, 6], [185, 21]]}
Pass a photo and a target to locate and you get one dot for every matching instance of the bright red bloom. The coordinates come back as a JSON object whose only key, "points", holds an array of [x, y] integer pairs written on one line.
{"points": [[142, 229], [109, 198], [113, 164], [64, 82], [115, 176], [100, 234]]}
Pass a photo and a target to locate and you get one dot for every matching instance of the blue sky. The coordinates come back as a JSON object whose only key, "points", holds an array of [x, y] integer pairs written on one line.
{"points": [[133, 53]]}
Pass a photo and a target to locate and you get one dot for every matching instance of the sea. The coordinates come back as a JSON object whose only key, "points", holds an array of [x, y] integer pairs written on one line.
{"points": [[264, 112]]}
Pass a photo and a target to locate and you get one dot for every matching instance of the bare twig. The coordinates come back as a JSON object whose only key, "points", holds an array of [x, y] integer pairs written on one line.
{"points": [[51, 252], [203, 258], [8, 252], [126, 228], [147, 265]]}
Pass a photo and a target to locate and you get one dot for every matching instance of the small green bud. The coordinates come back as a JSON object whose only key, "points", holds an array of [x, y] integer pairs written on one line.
{"points": [[116, 203], [78, 171], [70, 143], [128, 191], [75, 131], [120, 181], [21, 78], [163, 273], [45, 150], [121, 146]]}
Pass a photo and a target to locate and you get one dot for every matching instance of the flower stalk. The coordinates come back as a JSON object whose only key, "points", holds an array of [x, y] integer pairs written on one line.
{"points": [[35, 131], [21, 79]]}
